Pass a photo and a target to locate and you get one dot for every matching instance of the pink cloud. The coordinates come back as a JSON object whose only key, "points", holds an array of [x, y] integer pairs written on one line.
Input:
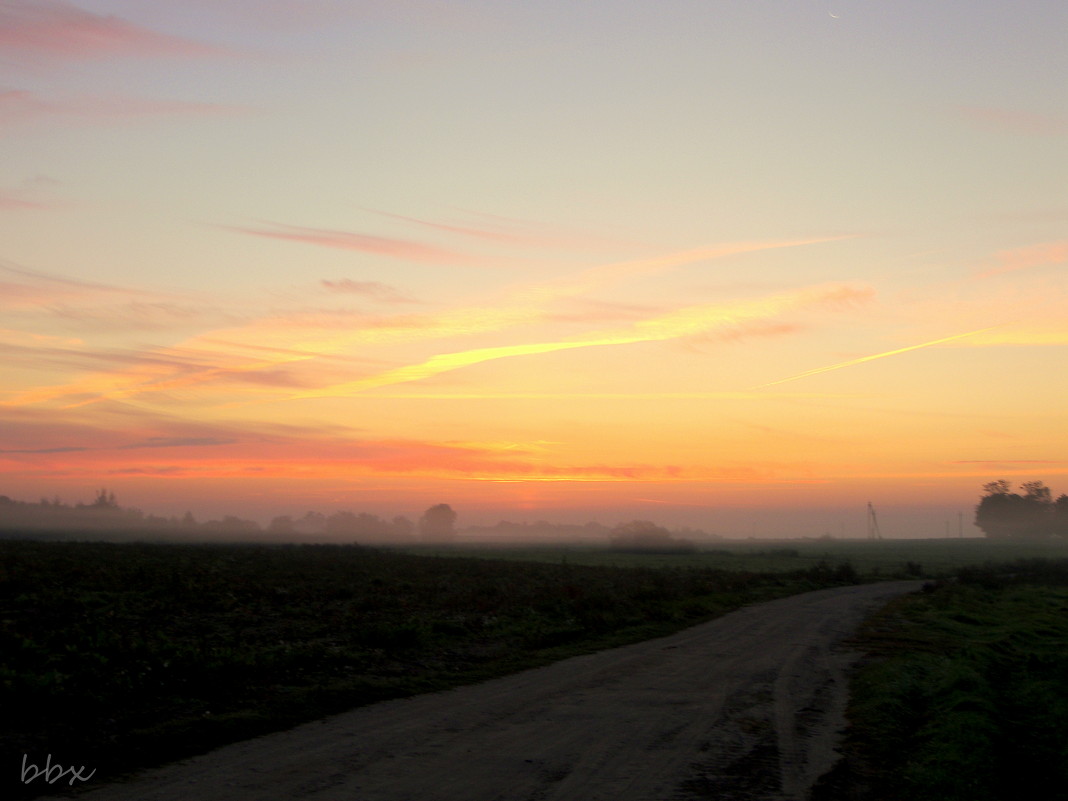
{"points": [[1014, 120], [56, 29], [1043, 255], [375, 290], [365, 243], [31, 287], [15, 200], [18, 106], [496, 228]]}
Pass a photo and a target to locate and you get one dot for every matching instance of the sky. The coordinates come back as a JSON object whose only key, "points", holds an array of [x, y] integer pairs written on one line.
{"points": [[741, 266]]}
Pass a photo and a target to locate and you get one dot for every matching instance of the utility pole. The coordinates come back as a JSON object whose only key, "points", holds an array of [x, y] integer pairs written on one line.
{"points": [[873, 524]]}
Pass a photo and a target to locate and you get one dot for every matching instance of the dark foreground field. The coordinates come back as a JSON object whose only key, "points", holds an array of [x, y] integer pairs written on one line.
{"points": [[116, 656]]}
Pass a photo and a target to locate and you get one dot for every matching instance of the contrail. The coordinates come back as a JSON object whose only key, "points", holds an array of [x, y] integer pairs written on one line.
{"points": [[874, 356], [687, 321]]}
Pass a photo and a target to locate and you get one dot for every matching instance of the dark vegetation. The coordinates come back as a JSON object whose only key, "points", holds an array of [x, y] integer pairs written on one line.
{"points": [[116, 656], [963, 697], [1029, 514], [643, 536], [105, 519]]}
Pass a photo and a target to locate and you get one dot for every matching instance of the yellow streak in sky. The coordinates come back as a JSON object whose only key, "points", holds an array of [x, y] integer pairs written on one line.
{"points": [[522, 306], [683, 322], [873, 357]]}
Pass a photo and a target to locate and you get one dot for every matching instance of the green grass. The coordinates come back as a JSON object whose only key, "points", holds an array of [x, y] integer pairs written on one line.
{"points": [[965, 693], [116, 656]]}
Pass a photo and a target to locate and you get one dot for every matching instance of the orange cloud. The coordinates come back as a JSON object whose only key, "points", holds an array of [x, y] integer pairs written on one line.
{"points": [[39, 442]]}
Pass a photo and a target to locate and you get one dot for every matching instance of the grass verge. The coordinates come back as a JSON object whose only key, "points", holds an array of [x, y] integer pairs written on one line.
{"points": [[964, 693]]}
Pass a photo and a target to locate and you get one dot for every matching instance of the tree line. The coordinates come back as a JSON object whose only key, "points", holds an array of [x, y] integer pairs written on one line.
{"points": [[105, 518], [1031, 513]]}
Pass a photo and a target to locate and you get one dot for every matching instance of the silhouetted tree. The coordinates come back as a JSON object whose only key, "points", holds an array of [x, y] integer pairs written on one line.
{"points": [[403, 528], [1060, 516], [644, 535], [1002, 514], [438, 524], [104, 500], [283, 524]]}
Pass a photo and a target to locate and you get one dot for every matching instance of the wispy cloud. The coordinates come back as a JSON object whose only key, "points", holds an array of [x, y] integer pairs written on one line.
{"points": [[27, 195], [606, 274], [1041, 255], [261, 352], [43, 450], [60, 30], [1010, 462], [181, 449], [32, 287], [19, 107], [493, 228], [873, 357], [153, 442], [364, 243], [375, 290], [13, 201], [264, 352], [1029, 334], [705, 319], [477, 233]]}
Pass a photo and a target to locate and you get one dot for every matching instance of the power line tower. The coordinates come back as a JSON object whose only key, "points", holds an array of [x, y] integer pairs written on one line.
{"points": [[873, 524]]}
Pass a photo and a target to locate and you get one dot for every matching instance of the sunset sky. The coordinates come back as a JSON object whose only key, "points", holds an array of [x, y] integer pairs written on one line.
{"points": [[740, 265]]}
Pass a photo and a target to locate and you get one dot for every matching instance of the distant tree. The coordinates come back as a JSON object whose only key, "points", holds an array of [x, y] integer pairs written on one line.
{"points": [[1002, 514], [341, 524], [1060, 516], [438, 524], [104, 500], [646, 536], [403, 528], [311, 523], [283, 524], [230, 525]]}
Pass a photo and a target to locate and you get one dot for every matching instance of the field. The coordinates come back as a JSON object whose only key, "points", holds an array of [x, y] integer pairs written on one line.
{"points": [[123, 655], [928, 557]]}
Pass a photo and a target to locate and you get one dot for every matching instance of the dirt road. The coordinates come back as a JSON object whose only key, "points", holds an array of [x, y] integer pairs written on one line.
{"points": [[747, 706]]}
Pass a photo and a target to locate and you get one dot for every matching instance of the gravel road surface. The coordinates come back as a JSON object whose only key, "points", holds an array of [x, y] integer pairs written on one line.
{"points": [[747, 706]]}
